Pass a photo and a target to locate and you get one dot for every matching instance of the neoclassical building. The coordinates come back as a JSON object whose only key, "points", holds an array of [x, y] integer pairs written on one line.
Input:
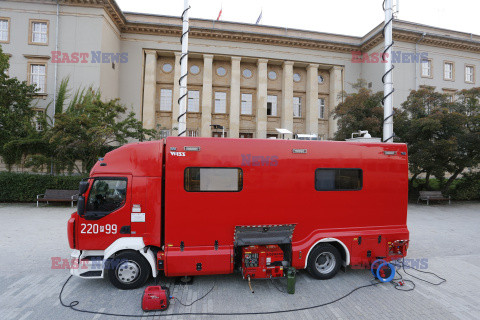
{"points": [[248, 79]]}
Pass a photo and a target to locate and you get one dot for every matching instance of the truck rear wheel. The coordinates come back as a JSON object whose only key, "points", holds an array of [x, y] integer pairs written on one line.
{"points": [[324, 261], [128, 270]]}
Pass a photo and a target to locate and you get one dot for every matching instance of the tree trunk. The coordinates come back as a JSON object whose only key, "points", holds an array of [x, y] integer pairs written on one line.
{"points": [[427, 181], [412, 179], [451, 179]]}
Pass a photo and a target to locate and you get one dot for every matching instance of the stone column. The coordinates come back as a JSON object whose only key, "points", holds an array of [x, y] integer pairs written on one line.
{"points": [[149, 89], [235, 99], [262, 99], [312, 100], [336, 87], [287, 97], [176, 94], [206, 130]]}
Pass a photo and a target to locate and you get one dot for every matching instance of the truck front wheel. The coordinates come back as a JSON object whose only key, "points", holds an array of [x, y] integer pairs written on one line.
{"points": [[324, 261], [128, 270]]}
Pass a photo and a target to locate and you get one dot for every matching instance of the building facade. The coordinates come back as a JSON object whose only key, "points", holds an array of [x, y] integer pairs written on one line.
{"points": [[248, 79]]}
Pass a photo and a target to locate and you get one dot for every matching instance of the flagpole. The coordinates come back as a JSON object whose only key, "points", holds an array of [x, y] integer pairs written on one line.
{"points": [[182, 118]]}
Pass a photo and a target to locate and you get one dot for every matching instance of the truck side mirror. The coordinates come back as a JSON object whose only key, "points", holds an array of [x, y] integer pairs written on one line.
{"points": [[81, 206], [83, 187]]}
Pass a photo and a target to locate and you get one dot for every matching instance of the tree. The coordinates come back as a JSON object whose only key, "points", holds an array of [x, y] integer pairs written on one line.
{"points": [[16, 113], [90, 127], [440, 134], [361, 110]]}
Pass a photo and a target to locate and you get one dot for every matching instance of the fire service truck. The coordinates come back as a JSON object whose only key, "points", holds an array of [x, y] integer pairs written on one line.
{"points": [[202, 206]]}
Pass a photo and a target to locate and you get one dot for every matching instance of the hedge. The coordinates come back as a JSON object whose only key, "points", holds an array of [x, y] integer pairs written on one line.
{"points": [[24, 187]]}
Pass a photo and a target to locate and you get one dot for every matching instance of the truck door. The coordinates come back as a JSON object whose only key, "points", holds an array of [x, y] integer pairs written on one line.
{"points": [[107, 212]]}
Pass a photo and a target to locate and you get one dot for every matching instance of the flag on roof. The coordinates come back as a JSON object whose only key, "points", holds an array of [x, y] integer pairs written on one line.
{"points": [[219, 14]]}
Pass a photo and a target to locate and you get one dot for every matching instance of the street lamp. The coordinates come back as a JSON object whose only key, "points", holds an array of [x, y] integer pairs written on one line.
{"points": [[217, 126]]}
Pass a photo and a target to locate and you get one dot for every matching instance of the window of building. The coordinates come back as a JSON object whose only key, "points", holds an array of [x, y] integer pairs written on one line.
{"points": [[271, 105], [219, 134], [38, 77], [39, 118], [272, 136], [165, 99], [247, 73], [221, 71], [246, 103], [167, 67], [213, 179], [272, 75], [193, 101], [4, 30], [164, 133], [320, 79], [321, 108], [246, 135], [297, 107], [427, 68], [192, 133], [38, 32], [448, 71], [195, 69], [220, 102], [106, 196], [338, 179], [470, 74], [297, 77]]}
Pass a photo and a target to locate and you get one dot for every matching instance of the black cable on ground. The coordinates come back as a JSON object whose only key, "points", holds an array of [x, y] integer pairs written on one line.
{"points": [[398, 282], [398, 285], [189, 304], [74, 303]]}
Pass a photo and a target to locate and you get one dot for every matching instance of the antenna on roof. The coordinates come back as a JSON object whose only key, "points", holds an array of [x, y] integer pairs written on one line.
{"points": [[182, 101], [387, 79]]}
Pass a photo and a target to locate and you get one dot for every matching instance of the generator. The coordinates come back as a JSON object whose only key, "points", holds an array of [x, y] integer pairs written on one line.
{"points": [[262, 262]]}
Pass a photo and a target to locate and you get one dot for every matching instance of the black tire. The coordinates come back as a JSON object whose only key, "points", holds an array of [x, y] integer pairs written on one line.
{"points": [[128, 270], [329, 261]]}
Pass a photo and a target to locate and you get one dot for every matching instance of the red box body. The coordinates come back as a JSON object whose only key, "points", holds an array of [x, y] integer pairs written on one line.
{"points": [[262, 262], [155, 298]]}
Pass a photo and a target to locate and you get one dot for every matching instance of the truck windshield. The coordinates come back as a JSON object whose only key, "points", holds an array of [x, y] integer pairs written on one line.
{"points": [[107, 195]]}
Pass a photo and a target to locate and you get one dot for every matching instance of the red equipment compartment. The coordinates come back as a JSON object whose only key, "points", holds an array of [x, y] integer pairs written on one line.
{"points": [[260, 262], [155, 298]]}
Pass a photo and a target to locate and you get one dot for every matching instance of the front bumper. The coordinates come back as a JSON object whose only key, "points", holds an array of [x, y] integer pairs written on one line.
{"points": [[87, 264]]}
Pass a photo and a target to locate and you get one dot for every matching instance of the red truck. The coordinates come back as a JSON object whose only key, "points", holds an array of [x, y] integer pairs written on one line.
{"points": [[200, 206]]}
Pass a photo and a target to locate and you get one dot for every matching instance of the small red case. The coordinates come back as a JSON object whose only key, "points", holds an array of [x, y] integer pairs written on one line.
{"points": [[155, 298]]}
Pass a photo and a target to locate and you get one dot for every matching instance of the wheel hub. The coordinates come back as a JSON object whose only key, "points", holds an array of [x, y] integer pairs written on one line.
{"points": [[325, 262], [128, 271]]}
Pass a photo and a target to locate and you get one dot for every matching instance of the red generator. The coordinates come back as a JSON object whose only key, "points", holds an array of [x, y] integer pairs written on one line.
{"points": [[261, 262], [155, 298]]}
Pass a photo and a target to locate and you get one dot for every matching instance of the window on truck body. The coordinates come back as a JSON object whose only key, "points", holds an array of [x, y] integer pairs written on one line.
{"points": [[338, 179], [213, 179], [107, 195]]}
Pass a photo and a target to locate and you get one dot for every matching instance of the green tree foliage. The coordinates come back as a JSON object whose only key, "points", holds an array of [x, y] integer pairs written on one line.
{"points": [[16, 113], [442, 136], [361, 110], [90, 127]]}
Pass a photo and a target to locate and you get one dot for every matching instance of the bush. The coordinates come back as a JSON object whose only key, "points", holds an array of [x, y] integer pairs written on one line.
{"points": [[24, 187], [468, 187]]}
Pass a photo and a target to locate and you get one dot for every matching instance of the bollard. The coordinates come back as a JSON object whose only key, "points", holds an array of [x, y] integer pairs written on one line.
{"points": [[291, 280]]}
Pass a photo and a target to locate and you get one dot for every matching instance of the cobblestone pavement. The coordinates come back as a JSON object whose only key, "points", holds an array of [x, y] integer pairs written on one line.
{"points": [[447, 235]]}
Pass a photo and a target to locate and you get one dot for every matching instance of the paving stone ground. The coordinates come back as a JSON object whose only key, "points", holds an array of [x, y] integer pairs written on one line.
{"points": [[447, 235]]}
